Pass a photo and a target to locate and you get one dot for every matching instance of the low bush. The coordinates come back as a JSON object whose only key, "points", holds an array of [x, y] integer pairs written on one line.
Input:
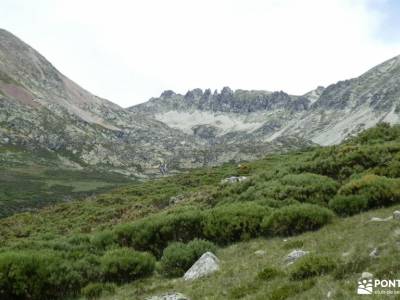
{"points": [[312, 265], [104, 239], [179, 257], [36, 275], [307, 187], [229, 223], [96, 290], [348, 205], [269, 273], [294, 219], [154, 233], [124, 265], [380, 191]]}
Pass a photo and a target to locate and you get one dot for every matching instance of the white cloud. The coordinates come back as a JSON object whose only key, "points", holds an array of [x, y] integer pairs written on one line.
{"points": [[129, 51]]}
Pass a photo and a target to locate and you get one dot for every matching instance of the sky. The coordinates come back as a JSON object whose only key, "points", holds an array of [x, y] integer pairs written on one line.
{"points": [[130, 51]]}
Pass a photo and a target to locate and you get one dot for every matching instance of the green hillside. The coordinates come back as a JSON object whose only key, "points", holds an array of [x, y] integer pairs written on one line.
{"points": [[136, 240], [31, 179]]}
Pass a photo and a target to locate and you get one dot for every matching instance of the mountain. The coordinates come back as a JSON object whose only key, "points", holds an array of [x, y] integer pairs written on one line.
{"points": [[41, 109], [323, 116]]}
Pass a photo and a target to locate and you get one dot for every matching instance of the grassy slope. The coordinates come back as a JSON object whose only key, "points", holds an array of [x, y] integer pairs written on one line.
{"points": [[344, 240], [30, 180], [202, 189]]}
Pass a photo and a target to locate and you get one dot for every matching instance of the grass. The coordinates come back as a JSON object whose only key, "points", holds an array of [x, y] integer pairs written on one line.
{"points": [[31, 180], [342, 240], [78, 233]]}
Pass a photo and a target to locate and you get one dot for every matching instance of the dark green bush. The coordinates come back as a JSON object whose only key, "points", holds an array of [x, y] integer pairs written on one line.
{"points": [[96, 290], [179, 257], [294, 219], [269, 273], [307, 187], [348, 205], [36, 275], [378, 190], [312, 265], [154, 233], [124, 265], [104, 239], [229, 223], [199, 247]]}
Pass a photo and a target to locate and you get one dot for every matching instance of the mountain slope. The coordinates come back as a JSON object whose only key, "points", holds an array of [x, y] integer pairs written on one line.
{"points": [[76, 242], [324, 116], [41, 108]]}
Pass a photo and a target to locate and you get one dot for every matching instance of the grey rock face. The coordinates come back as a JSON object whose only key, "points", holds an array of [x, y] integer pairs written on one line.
{"points": [[169, 296], [377, 219], [40, 108], [260, 253], [295, 255], [374, 253], [233, 179], [207, 264]]}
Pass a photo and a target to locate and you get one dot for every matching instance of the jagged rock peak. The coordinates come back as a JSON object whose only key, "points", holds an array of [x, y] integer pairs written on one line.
{"points": [[167, 94]]}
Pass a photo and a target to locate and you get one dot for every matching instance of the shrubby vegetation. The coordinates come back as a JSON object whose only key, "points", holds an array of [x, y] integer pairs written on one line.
{"points": [[295, 219], [124, 265], [178, 257], [312, 265], [84, 247]]}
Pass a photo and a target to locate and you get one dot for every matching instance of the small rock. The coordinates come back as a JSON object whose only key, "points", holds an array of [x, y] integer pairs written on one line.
{"points": [[376, 219], [396, 215], [374, 253], [175, 200], [207, 264], [295, 255], [233, 179], [169, 296], [329, 294], [366, 275], [260, 252], [344, 254]]}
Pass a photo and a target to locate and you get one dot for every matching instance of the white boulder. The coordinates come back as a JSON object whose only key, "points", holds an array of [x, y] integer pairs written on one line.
{"points": [[169, 296], [295, 255], [207, 264]]}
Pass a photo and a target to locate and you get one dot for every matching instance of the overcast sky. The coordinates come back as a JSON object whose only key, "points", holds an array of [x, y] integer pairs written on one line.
{"points": [[129, 51]]}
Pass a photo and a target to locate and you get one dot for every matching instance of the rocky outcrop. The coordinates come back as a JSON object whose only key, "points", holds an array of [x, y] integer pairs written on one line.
{"points": [[169, 296], [207, 264], [295, 255]]}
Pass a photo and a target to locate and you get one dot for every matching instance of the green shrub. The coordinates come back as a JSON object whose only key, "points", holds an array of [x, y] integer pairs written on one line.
{"points": [[104, 239], [307, 187], [269, 273], [124, 265], [294, 219], [378, 190], [96, 290], [154, 233], [36, 275], [348, 205], [199, 247], [312, 265], [179, 257], [229, 223]]}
